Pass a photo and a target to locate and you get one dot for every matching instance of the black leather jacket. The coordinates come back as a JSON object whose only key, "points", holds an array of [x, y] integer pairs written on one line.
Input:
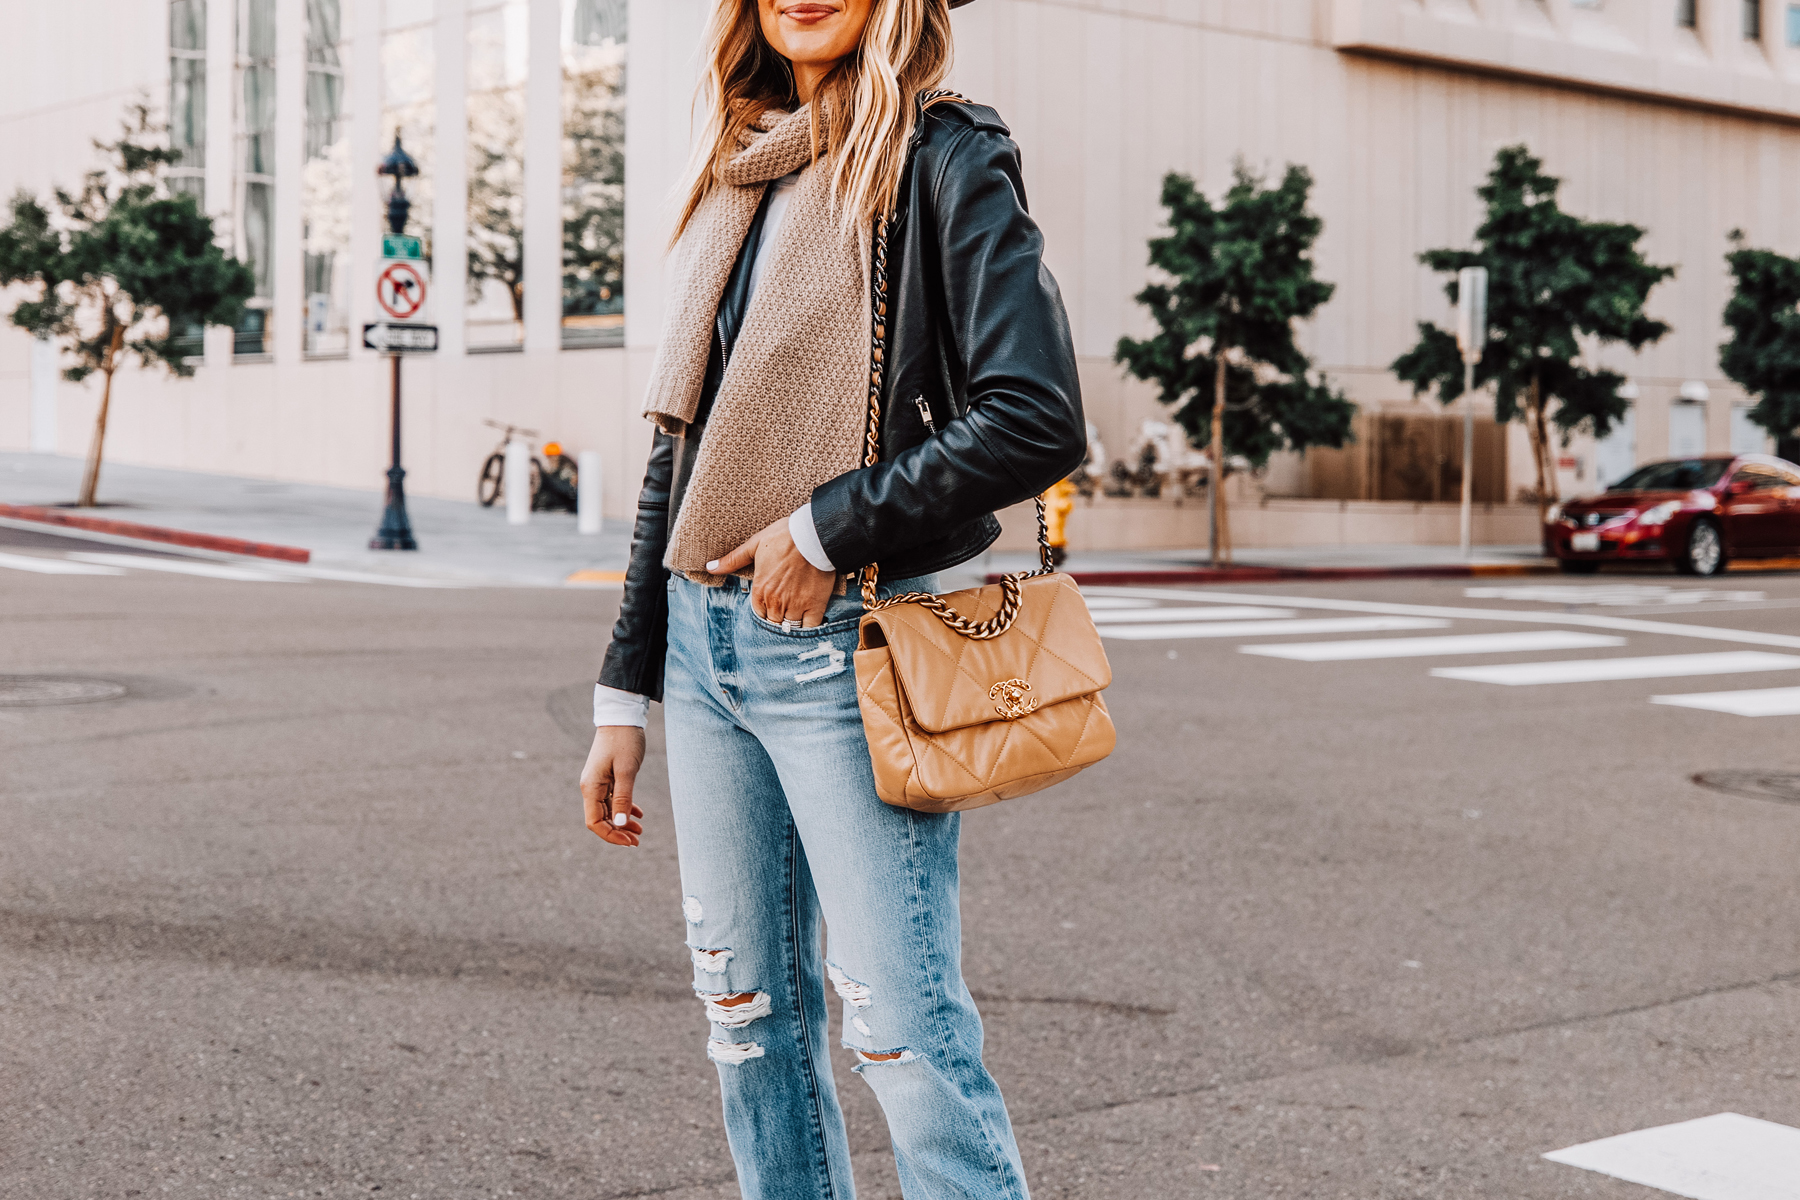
{"points": [[981, 408]]}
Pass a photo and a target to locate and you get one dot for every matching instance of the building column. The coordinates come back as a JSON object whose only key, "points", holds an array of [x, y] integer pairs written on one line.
{"points": [[369, 141], [220, 195], [543, 178], [287, 262], [660, 75], [45, 372], [450, 205]]}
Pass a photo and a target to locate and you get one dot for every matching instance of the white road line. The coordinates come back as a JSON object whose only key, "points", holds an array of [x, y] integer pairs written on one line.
{"points": [[1759, 702], [1594, 670], [1722, 1157], [53, 566], [181, 566], [1234, 612], [340, 576], [1224, 629], [1420, 647], [1096, 603], [1513, 616]]}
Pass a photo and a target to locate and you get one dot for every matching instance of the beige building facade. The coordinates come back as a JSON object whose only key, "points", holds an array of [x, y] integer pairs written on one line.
{"points": [[1682, 118]]}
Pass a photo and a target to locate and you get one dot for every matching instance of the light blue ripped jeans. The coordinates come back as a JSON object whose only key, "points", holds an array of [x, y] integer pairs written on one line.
{"points": [[779, 826]]}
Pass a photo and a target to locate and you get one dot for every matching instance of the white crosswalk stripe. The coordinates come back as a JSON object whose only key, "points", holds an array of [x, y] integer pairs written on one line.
{"points": [[53, 566], [1421, 647], [1172, 615], [1726, 1156], [1288, 626], [1594, 670], [1758, 702], [182, 566]]}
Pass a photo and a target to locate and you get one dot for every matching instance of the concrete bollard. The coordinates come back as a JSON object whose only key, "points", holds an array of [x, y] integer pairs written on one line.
{"points": [[587, 491], [518, 483]]}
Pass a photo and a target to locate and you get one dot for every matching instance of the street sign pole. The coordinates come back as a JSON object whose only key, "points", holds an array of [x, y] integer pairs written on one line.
{"points": [[1471, 339], [402, 288], [396, 530]]}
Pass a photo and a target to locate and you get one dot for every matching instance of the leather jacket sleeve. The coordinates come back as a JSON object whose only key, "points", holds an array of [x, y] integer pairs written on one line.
{"points": [[1009, 336], [634, 659]]}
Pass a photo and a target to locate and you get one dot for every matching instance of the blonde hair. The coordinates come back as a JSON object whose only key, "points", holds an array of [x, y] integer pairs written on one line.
{"points": [[866, 101]]}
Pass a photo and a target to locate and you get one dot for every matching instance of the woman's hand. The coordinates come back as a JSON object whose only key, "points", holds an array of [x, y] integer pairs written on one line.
{"points": [[787, 587], [607, 780]]}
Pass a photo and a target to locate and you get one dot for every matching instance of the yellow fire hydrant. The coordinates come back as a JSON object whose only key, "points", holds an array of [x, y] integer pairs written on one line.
{"points": [[1059, 502]]}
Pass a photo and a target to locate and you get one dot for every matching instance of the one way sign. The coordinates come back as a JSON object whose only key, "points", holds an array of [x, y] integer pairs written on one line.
{"points": [[390, 338]]}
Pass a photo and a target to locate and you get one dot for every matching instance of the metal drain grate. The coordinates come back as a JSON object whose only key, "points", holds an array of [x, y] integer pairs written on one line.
{"points": [[37, 691], [1782, 786]]}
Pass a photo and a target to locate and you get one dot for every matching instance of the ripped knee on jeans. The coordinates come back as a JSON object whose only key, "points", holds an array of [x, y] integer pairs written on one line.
{"points": [[733, 1010]]}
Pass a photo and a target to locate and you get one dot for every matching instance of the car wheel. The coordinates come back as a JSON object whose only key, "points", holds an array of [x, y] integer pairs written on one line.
{"points": [[1704, 553], [1577, 566]]}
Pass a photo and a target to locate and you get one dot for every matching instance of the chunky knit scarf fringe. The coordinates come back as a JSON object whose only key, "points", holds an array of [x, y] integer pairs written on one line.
{"points": [[791, 409]]}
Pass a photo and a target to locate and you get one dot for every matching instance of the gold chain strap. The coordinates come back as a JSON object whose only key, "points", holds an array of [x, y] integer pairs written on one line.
{"points": [[1011, 597]]}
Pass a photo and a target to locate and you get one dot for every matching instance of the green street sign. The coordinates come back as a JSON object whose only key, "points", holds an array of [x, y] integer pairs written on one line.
{"points": [[397, 245]]}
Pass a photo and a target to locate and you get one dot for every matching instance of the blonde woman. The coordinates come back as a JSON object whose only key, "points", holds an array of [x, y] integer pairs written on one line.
{"points": [[827, 126]]}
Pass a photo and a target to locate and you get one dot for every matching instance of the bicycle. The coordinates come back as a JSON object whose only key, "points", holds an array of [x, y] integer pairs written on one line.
{"points": [[552, 485]]}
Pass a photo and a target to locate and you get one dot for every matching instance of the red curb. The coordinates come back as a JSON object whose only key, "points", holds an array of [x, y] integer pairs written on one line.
{"points": [[1302, 574], [155, 533]]}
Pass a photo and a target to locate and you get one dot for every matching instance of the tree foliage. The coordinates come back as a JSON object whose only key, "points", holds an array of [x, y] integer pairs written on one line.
{"points": [[1763, 353], [1240, 275], [119, 268], [1553, 280]]}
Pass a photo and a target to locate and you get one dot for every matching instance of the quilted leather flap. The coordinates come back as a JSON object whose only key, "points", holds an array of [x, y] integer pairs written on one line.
{"points": [[1051, 654]]}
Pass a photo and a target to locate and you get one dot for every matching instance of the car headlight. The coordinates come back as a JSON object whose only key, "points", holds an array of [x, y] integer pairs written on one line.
{"points": [[1658, 514], [1555, 513]]}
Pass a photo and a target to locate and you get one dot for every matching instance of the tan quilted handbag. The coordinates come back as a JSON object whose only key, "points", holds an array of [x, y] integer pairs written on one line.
{"points": [[981, 695]]}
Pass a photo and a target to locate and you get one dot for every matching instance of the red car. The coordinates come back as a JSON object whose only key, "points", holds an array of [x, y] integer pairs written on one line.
{"points": [[1697, 513]]}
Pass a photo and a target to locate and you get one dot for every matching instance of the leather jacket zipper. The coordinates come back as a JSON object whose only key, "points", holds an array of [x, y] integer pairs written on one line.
{"points": [[925, 414]]}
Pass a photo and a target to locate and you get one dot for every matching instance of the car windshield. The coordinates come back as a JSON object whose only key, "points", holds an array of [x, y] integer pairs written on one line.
{"points": [[1679, 475]]}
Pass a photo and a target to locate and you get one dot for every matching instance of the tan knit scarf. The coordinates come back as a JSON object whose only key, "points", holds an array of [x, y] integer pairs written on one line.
{"points": [[791, 409]]}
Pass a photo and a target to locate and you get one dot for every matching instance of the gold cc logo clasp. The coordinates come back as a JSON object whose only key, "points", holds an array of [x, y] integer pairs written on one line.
{"points": [[1010, 699]]}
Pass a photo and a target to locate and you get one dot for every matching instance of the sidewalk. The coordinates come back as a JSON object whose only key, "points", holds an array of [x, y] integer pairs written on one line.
{"points": [[458, 540], [462, 541]]}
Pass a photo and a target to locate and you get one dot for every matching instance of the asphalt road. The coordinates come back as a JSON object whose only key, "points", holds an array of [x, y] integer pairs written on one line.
{"points": [[309, 909]]}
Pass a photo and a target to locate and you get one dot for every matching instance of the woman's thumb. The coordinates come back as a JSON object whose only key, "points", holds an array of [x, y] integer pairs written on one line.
{"points": [[737, 560]]}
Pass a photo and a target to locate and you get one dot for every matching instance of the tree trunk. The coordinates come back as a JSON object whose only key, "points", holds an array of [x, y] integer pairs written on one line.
{"points": [[1538, 430], [90, 481], [1215, 487]]}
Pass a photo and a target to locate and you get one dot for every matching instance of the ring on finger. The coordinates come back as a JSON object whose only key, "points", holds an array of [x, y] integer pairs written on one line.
{"points": [[788, 624]]}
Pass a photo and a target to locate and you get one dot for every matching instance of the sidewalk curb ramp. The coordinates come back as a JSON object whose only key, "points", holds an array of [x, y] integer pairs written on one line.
{"points": [[1305, 574], [154, 533]]}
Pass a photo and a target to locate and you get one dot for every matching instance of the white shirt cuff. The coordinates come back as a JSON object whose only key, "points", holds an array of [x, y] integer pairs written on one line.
{"points": [[613, 706], [806, 539]]}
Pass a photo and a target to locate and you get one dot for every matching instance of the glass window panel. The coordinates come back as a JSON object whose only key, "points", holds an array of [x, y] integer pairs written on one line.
{"points": [[1687, 13], [256, 163], [1753, 19], [498, 39], [593, 177], [187, 96], [187, 24], [1793, 25], [325, 182]]}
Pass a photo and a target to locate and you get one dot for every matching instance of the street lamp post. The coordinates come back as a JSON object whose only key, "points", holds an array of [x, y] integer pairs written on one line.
{"points": [[396, 530], [1471, 339]]}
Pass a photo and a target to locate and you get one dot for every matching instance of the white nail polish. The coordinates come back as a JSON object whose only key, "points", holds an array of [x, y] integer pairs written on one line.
{"points": [[618, 818], [713, 565]]}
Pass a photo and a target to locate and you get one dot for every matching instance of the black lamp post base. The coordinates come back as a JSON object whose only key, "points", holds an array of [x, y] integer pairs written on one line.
{"points": [[396, 531]]}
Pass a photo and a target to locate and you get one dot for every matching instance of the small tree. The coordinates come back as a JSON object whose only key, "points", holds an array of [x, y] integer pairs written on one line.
{"points": [[1763, 314], [120, 268], [1553, 279], [1241, 275]]}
